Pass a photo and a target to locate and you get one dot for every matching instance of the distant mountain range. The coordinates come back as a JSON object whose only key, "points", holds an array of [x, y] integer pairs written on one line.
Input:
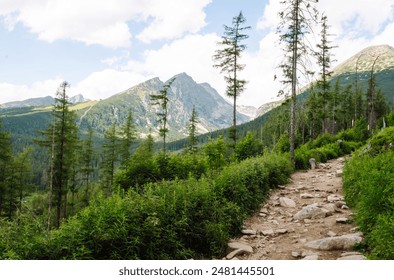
{"points": [[41, 102], [213, 111]]}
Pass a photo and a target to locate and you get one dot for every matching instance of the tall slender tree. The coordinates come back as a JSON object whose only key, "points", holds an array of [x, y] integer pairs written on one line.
{"points": [[162, 100], [324, 60], [61, 140], [110, 157], [193, 140], [228, 58], [87, 157], [297, 17], [128, 136]]}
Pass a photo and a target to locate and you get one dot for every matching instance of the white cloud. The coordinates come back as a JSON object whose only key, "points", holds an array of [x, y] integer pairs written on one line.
{"points": [[12, 92], [102, 84], [191, 54], [104, 22], [173, 18]]}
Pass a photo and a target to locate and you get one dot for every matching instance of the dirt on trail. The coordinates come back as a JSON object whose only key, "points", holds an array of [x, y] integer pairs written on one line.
{"points": [[306, 219]]}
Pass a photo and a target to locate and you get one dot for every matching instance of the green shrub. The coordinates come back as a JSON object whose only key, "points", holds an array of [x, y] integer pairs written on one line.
{"points": [[369, 188]]}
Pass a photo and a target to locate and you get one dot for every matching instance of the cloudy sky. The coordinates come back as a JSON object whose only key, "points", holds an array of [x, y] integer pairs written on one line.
{"points": [[102, 47]]}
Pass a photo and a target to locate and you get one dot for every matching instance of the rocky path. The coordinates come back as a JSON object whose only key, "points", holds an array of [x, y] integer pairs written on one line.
{"points": [[306, 219]]}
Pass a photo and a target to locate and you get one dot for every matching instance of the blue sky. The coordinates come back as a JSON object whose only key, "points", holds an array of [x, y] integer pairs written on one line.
{"points": [[103, 47]]}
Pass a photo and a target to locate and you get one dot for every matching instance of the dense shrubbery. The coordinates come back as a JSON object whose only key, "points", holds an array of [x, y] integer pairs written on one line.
{"points": [[176, 219], [369, 188], [323, 153]]}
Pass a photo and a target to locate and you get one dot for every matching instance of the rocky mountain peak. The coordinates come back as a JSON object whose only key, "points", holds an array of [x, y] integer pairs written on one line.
{"points": [[364, 60]]}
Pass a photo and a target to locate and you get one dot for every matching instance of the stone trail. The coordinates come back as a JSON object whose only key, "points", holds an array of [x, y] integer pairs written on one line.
{"points": [[306, 219]]}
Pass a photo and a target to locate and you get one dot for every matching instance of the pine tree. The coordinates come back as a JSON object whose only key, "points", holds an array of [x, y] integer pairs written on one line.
{"points": [[228, 60], [87, 158], [129, 135], [162, 100], [110, 157], [324, 61], [296, 22], [193, 140], [61, 140]]}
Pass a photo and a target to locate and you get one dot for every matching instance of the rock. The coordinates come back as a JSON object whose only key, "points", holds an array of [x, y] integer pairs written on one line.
{"points": [[333, 198], [350, 254], [306, 253], [343, 242], [344, 207], [264, 211], [238, 245], [340, 203], [312, 162], [331, 208], [287, 202], [342, 220], [295, 254], [352, 257], [311, 258], [339, 173], [281, 231], [310, 212], [331, 234], [268, 232], [249, 232], [236, 253], [306, 195]]}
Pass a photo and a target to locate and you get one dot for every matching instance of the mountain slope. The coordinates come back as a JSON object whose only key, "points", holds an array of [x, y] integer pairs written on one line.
{"points": [[214, 111]]}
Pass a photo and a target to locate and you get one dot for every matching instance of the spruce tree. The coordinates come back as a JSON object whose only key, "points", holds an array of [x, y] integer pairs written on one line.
{"points": [[193, 140], [324, 61], [297, 17], [162, 100], [110, 158], [87, 157], [129, 135], [228, 58], [61, 140]]}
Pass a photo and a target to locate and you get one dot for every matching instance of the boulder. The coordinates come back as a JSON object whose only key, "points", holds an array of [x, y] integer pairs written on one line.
{"points": [[306, 195], [249, 232], [310, 212], [343, 242], [287, 202]]}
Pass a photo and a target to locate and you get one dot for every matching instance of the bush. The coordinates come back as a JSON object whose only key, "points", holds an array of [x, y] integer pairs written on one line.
{"points": [[369, 188], [248, 182]]}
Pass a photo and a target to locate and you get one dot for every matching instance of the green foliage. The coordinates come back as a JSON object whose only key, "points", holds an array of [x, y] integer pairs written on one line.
{"points": [[248, 147], [369, 188], [248, 182], [216, 152]]}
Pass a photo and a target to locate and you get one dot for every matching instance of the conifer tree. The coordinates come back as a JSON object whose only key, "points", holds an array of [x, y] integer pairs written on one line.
{"points": [[129, 135], [87, 158], [296, 22], [324, 61], [162, 100], [228, 60], [193, 141], [110, 157], [61, 140]]}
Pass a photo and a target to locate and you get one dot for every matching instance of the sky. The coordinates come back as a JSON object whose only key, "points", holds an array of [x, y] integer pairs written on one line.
{"points": [[103, 47]]}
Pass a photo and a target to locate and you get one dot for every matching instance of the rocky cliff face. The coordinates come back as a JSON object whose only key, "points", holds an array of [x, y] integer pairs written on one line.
{"points": [[213, 111]]}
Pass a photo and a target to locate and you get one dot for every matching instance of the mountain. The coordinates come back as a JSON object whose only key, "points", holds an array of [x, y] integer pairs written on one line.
{"points": [[79, 98], [32, 102], [265, 108], [364, 60], [249, 111], [213, 111], [40, 102]]}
